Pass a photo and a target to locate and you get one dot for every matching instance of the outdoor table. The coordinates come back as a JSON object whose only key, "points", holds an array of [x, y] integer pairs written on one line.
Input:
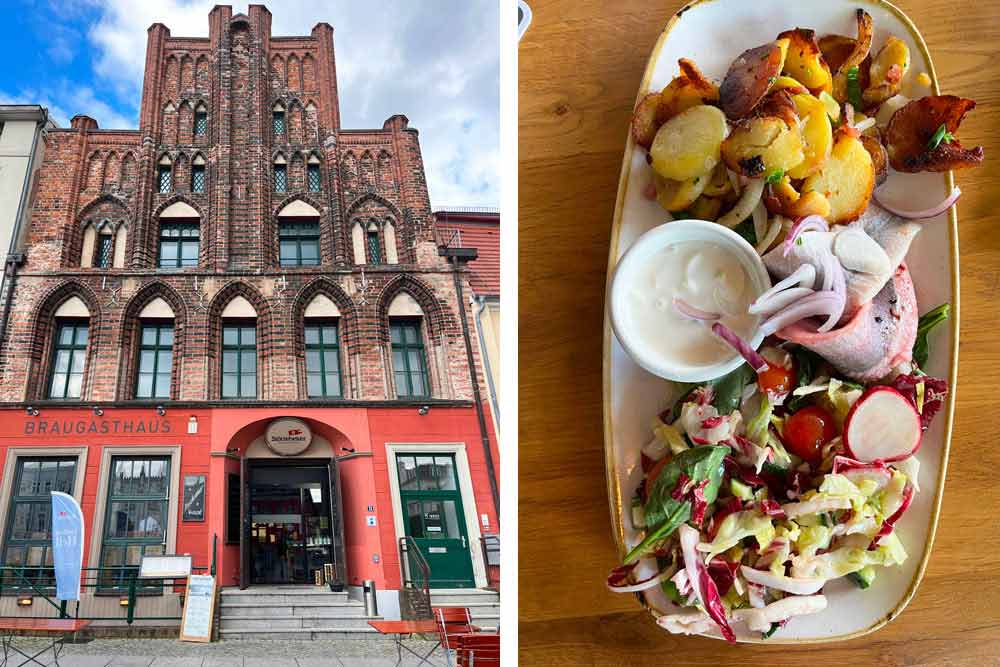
{"points": [[55, 628], [401, 629]]}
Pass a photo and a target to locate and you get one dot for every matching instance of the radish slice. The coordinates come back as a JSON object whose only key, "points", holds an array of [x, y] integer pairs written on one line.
{"points": [[882, 426]]}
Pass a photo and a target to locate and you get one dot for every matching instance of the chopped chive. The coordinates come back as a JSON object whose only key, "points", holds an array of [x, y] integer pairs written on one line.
{"points": [[942, 135], [854, 88]]}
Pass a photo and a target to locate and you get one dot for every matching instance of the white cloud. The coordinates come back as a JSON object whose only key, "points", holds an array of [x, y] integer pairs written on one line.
{"points": [[64, 100], [437, 63]]}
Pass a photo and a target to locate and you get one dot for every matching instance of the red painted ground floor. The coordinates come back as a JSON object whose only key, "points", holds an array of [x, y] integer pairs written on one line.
{"points": [[276, 494]]}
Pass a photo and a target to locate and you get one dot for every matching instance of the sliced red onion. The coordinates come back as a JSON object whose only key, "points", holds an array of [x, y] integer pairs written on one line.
{"points": [[865, 125], [745, 205], [810, 223], [804, 276], [759, 221], [638, 586], [694, 313], [794, 585], [778, 301], [820, 303], [922, 214], [835, 281], [755, 360], [772, 233]]}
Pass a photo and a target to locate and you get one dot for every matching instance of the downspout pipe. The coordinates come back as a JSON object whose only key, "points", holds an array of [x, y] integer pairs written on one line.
{"points": [[14, 259], [457, 257]]}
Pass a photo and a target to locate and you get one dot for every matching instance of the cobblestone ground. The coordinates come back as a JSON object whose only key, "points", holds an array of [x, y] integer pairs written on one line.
{"points": [[173, 653]]}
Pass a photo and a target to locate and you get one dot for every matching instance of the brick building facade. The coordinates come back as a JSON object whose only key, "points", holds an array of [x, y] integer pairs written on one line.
{"points": [[238, 259]]}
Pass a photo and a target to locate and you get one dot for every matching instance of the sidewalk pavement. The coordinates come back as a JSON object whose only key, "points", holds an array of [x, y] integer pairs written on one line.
{"points": [[232, 653]]}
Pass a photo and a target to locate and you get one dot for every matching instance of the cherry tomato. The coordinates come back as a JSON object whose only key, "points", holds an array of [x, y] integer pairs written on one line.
{"points": [[655, 471], [807, 430], [776, 379]]}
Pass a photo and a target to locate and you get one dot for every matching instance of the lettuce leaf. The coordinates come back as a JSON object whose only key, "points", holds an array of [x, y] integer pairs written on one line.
{"points": [[735, 527]]}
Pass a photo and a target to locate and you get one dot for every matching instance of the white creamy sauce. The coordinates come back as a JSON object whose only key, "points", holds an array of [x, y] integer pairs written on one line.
{"points": [[707, 276]]}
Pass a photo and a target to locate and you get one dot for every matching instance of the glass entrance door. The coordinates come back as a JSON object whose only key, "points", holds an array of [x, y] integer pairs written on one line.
{"points": [[433, 516], [291, 536]]}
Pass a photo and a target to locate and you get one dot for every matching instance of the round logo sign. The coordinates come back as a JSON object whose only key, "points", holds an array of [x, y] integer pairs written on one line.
{"points": [[288, 437]]}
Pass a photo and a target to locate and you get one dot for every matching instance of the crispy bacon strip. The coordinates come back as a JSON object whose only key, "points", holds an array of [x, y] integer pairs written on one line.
{"points": [[912, 127]]}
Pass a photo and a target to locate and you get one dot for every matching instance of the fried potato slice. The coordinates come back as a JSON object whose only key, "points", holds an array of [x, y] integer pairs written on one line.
{"points": [[886, 72], [719, 184], [817, 134], [789, 84], [805, 62], [913, 126], [690, 88], [689, 144], [749, 78], [706, 208], [793, 205], [678, 195], [763, 145], [846, 180], [880, 158], [644, 120], [842, 53], [778, 105]]}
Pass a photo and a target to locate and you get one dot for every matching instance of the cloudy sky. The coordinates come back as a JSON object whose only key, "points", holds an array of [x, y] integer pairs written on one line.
{"points": [[435, 61]]}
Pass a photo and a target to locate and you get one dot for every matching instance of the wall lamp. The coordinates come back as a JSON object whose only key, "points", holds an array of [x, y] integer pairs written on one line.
{"points": [[25, 601], [98, 412], [424, 409], [160, 410], [32, 412]]}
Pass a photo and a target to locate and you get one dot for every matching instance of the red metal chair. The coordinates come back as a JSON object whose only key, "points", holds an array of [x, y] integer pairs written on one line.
{"points": [[452, 623], [478, 650]]}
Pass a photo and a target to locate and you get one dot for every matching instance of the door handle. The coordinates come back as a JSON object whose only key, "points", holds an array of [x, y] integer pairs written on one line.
{"points": [[464, 543]]}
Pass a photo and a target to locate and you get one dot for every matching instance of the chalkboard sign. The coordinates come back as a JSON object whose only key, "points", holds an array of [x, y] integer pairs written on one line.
{"points": [[199, 609]]}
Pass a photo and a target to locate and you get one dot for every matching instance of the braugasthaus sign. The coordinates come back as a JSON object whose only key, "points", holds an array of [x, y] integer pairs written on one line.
{"points": [[95, 426]]}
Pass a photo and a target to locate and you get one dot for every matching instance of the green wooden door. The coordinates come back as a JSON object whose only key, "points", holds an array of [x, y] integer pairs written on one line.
{"points": [[433, 516]]}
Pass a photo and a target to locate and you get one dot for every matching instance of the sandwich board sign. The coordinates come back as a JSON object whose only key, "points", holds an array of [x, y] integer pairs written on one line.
{"points": [[199, 609], [67, 545]]}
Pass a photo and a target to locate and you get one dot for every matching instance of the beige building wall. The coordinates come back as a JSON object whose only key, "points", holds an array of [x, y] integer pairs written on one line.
{"points": [[18, 138], [488, 321]]}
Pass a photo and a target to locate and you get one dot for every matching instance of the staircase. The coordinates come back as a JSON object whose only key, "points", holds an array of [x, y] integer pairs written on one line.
{"points": [[291, 612], [483, 605]]}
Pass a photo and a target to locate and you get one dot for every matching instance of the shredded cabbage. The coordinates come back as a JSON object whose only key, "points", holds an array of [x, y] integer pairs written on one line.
{"points": [[757, 427], [839, 399], [735, 527], [670, 435], [811, 539]]}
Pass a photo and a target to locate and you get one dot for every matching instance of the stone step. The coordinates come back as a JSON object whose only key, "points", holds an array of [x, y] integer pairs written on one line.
{"points": [[257, 623], [330, 632], [285, 599], [462, 597], [288, 611]]}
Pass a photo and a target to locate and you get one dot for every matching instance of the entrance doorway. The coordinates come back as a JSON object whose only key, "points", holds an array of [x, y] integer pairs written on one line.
{"points": [[292, 513], [434, 517]]}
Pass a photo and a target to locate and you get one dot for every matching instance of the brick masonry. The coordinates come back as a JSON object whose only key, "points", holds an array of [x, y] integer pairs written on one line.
{"points": [[237, 75]]}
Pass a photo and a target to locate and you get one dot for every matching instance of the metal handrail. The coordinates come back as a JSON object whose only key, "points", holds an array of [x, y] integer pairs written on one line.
{"points": [[408, 547], [129, 588]]}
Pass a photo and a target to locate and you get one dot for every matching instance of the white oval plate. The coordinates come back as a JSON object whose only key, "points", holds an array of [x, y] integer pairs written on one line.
{"points": [[712, 33]]}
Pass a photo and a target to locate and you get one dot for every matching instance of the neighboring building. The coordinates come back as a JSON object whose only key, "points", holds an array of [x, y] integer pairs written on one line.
{"points": [[234, 334], [479, 228], [21, 152]]}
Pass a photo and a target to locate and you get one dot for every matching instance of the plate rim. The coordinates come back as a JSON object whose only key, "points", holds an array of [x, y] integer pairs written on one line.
{"points": [[615, 502]]}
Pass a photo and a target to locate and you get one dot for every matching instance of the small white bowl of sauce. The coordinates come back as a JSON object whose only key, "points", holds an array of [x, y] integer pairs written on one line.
{"points": [[709, 266]]}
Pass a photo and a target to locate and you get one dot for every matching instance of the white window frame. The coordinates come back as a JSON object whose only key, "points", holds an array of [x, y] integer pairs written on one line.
{"points": [[464, 485]]}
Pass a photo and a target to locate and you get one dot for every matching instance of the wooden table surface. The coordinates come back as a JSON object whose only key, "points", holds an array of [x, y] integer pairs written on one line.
{"points": [[581, 62]]}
